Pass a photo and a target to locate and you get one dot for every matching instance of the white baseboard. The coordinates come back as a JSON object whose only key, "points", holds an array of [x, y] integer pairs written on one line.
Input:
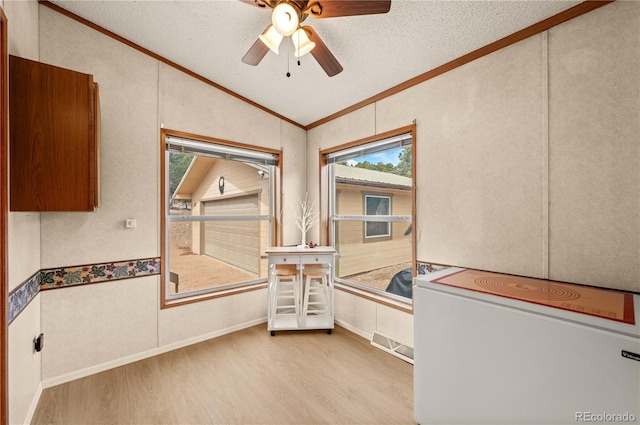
{"points": [[82, 373], [34, 404], [353, 329]]}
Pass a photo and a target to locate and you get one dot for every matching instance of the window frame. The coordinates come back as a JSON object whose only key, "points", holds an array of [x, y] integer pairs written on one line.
{"points": [[361, 291], [170, 300]]}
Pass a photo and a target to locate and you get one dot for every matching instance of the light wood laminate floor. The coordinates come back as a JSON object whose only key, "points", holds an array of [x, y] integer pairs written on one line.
{"points": [[246, 377]]}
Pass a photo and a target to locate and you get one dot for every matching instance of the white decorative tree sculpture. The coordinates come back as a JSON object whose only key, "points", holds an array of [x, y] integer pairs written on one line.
{"points": [[305, 217]]}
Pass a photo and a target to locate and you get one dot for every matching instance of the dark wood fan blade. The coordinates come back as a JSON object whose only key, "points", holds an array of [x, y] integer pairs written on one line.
{"points": [[259, 3], [321, 53], [255, 53], [335, 8]]}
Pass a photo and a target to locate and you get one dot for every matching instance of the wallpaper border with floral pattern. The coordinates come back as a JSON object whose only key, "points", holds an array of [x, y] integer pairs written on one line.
{"points": [[64, 277], [96, 273], [20, 297]]}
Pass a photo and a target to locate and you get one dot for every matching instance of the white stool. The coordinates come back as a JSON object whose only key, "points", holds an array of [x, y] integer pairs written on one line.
{"points": [[316, 293], [286, 297]]}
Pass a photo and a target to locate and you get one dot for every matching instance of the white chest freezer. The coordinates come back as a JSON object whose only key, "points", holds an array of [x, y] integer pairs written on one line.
{"points": [[493, 348]]}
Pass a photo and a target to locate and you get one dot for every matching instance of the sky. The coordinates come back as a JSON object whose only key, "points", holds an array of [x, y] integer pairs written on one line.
{"points": [[390, 156]]}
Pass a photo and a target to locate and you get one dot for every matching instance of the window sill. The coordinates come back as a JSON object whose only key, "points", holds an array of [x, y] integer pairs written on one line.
{"points": [[176, 302], [397, 303]]}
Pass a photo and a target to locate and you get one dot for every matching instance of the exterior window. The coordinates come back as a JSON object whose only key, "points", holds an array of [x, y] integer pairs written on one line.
{"points": [[377, 205], [370, 200], [219, 216]]}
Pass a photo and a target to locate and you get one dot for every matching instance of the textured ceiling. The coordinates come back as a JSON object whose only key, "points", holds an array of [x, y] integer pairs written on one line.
{"points": [[377, 52]]}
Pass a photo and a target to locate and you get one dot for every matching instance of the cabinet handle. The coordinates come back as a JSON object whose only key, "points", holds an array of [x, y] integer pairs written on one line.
{"points": [[284, 260]]}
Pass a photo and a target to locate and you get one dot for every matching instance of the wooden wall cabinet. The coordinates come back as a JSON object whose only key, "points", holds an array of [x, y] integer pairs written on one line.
{"points": [[54, 138]]}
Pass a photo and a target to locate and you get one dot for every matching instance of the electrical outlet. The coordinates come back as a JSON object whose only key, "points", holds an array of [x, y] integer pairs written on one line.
{"points": [[130, 223], [38, 343]]}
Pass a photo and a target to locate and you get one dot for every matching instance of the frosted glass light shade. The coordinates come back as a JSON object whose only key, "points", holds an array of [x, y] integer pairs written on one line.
{"points": [[302, 43], [285, 19], [271, 38]]}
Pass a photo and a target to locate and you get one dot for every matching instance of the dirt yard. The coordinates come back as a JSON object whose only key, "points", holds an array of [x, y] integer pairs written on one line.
{"points": [[379, 278], [198, 271]]}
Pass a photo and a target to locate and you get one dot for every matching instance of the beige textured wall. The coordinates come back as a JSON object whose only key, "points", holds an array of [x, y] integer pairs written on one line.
{"points": [[24, 364], [24, 228], [23, 246], [528, 158], [479, 167], [87, 326], [193, 321], [92, 324], [187, 104], [22, 16], [364, 317], [137, 95], [129, 174], [594, 150]]}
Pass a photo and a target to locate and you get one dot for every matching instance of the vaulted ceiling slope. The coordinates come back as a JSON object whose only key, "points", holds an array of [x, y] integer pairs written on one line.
{"points": [[377, 52]]}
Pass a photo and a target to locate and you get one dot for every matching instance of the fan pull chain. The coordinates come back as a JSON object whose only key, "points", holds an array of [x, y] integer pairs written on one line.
{"points": [[298, 45], [288, 73]]}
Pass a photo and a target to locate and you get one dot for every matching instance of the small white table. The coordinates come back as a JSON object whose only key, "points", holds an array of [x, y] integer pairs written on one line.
{"points": [[300, 257]]}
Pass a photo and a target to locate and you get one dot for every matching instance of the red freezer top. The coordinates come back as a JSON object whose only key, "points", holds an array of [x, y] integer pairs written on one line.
{"points": [[604, 303]]}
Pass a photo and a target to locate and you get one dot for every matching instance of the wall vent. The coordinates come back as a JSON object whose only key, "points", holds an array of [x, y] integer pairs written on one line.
{"points": [[399, 350]]}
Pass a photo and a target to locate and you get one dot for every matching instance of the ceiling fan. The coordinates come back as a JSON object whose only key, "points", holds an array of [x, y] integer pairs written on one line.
{"points": [[286, 17]]}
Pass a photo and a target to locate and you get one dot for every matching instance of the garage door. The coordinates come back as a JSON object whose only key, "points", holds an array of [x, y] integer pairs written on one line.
{"points": [[234, 242]]}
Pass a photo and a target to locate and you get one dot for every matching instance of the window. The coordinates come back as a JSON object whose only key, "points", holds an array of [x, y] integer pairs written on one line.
{"points": [[369, 213], [219, 211], [377, 205]]}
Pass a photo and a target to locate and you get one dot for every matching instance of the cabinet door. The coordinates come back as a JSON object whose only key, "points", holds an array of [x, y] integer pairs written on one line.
{"points": [[53, 152]]}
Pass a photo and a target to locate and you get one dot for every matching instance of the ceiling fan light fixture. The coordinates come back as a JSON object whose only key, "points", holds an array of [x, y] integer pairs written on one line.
{"points": [[271, 38], [285, 18], [301, 42]]}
